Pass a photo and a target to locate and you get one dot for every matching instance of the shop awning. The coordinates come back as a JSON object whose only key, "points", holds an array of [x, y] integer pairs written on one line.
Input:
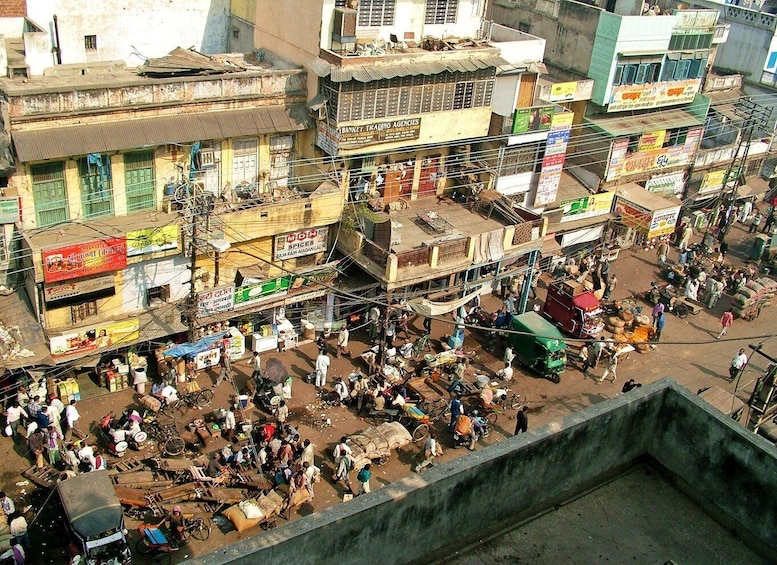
{"points": [[650, 201], [57, 142], [22, 341], [620, 126]]}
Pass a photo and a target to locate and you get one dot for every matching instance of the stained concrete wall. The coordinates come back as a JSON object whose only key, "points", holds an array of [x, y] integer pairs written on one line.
{"points": [[433, 514]]}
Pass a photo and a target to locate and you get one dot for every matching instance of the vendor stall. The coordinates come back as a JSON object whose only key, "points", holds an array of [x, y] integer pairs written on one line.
{"points": [[649, 214]]}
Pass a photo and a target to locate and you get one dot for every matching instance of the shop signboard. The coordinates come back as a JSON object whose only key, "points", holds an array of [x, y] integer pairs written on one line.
{"points": [[216, 300], [712, 181], [653, 95], [10, 209], [563, 91], [256, 292], [633, 216], [85, 340], [586, 207], [663, 222], [300, 243], [84, 259], [623, 163], [355, 136], [553, 161], [327, 138], [69, 289], [207, 358], [152, 240], [652, 140], [669, 185], [537, 118]]}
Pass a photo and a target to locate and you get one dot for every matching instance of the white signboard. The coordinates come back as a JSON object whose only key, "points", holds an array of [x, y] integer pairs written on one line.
{"points": [[216, 300], [300, 243]]}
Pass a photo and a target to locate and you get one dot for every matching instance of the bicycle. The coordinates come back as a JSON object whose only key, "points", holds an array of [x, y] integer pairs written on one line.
{"points": [[178, 408], [168, 440], [197, 528]]}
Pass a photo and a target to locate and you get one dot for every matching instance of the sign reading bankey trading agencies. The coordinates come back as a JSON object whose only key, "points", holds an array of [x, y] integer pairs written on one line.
{"points": [[300, 243], [351, 137]]}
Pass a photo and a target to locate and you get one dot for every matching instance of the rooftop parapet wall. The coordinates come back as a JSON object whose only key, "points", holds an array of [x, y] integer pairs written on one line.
{"points": [[523, 475]]}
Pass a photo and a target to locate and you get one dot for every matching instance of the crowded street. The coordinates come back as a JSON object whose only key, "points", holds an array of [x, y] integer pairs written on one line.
{"points": [[688, 352]]}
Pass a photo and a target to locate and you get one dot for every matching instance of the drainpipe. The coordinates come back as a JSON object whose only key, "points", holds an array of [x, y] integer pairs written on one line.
{"points": [[57, 50]]}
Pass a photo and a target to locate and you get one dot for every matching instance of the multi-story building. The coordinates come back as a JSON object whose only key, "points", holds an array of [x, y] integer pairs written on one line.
{"points": [[404, 93], [118, 173], [644, 121]]}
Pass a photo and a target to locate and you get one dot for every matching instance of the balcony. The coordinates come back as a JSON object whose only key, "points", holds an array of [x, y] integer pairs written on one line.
{"points": [[428, 239]]}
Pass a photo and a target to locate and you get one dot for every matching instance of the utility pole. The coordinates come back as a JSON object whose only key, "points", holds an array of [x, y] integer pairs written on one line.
{"points": [[754, 117]]}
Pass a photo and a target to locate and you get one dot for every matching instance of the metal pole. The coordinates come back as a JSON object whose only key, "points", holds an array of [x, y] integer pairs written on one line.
{"points": [[192, 306]]}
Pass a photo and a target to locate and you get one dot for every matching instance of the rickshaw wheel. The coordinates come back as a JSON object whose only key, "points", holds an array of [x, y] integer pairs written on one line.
{"points": [[174, 446], [555, 378], [491, 417], [142, 547], [420, 432]]}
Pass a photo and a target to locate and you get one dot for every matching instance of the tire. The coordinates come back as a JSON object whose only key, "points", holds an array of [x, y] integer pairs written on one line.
{"points": [[681, 311], [515, 401], [486, 431], [175, 410], [202, 531], [173, 446], [203, 398], [420, 433], [142, 548], [555, 378], [492, 417]]}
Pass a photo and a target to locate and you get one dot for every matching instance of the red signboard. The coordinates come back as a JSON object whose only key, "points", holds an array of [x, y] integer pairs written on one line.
{"points": [[84, 259]]}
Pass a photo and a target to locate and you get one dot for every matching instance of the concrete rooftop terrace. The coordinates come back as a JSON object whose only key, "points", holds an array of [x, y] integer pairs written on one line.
{"points": [[723, 467]]}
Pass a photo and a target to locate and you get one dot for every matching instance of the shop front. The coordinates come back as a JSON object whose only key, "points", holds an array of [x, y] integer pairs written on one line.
{"points": [[645, 214]]}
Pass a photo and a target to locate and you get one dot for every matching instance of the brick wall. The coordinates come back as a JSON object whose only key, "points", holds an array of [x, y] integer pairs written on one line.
{"points": [[13, 8]]}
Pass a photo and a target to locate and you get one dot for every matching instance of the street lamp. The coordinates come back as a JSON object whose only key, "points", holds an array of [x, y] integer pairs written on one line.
{"points": [[219, 246]]}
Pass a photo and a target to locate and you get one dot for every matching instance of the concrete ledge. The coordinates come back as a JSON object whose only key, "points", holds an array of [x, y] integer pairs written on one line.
{"points": [[465, 500]]}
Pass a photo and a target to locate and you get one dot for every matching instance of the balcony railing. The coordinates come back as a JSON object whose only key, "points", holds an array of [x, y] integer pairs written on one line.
{"points": [[413, 257]]}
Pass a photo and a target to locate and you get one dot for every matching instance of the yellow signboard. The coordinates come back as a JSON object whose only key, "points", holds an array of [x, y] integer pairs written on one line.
{"points": [[563, 91], [152, 240], [652, 140]]}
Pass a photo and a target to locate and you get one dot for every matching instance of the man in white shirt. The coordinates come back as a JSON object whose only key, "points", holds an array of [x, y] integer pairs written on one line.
{"points": [[322, 367], [7, 504], [342, 341], [71, 417], [169, 393], [505, 374], [341, 389], [229, 425], [256, 366]]}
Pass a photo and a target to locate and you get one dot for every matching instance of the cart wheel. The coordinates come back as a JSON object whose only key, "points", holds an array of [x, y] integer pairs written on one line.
{"points": [[142, 547], [681, 310], [174, 446], [515, 401], [486, 431], [491, 417], [420, 432], [175, 410], [204, 398], [202, 531]]}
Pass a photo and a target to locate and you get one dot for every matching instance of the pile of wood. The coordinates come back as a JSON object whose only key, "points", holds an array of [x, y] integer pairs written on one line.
{"points": [[756, 295]]}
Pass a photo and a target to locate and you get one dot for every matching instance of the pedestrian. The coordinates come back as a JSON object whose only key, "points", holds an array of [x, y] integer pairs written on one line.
{"points": [[7, 504], [308, 453], [364, 477], [361, 386], [585, 358], [432, 450], [402, 323], [755, 224], [725, 322], [685, 238], [226, 367], [230, 424], [714, 291], [662, 251], [13, 417], [630, 385], [659, 327], [282, 413], [737, 364], [256, 366], [37, 444], [598, 348], [322, 367], [610, 287], [509, 355], [604, 272], [342, 341], [457, 409], [610, 368], [18, 530], [658, 309], [769, 221], [71, 419], [53, 440], [692, 289], [391, 332], [69, 457], [374, 319], [428, 325], [522, 420]]}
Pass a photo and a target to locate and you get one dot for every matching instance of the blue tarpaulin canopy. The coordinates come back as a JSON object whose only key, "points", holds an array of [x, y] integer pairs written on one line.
{"points": [[189, 349]]}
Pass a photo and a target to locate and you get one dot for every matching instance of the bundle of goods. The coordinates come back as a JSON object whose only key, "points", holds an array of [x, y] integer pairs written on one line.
{"points": [[376, 444], [628, 327], [755, 295]]}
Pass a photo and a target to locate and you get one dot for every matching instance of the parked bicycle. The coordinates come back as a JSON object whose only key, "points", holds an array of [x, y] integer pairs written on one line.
{"points": [[198, 399]]}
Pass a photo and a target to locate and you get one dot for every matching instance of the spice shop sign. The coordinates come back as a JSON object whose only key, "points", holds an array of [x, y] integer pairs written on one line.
{"points": [[300, 243]]}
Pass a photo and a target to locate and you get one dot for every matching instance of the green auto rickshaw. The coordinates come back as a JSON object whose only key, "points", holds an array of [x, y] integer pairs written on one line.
{"points": [[539, 345]]}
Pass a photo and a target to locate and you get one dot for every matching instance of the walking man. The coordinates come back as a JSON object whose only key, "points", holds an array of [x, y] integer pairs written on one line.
{"points": [[715, 291], [737, 364], [71, 418], [658, 309], [322, 366], [522, 420], [610, 368], [457, 409], [725, 322], [364, 477], [256, 366], [226, 367], [659, 327], [663, 252], [342, 341], [374, 318]]}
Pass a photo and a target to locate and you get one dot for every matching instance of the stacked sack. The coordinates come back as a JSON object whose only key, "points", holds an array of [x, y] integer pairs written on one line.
{"points": [[632, 328], [753, 296]]}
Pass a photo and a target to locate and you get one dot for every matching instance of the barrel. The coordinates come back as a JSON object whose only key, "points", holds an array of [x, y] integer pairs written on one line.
{"points": [[309, 331], [759, 246]]}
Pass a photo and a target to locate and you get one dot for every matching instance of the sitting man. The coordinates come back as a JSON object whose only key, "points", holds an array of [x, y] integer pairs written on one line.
{"points": [[169, 394], [177, 523], [342, 390]]}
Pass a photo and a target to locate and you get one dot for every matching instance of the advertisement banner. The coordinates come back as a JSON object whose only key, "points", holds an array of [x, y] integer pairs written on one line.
{"points": [[633, 216], [553, 161], [10, 209], [563, 91], [667, 184], [586, 207], [712, 181], [257, 292], [663, 222], [84, 259], [537, 118], [652, 95], [152, 240], [652, 140], [216, 300], [59, 291], [89, 339], [353, 137], [300, 243]]}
